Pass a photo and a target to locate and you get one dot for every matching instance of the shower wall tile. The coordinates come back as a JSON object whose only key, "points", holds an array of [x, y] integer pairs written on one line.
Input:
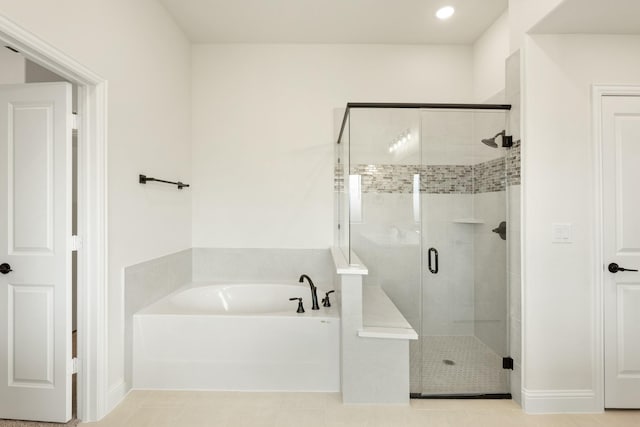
{"points": [[513, 164], [262, 265], [513, 96], [513, 93], [490, 265]]}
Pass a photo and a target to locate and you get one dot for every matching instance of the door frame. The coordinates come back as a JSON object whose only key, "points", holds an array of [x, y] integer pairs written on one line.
{"points": [[597, 93], [92, 384]]}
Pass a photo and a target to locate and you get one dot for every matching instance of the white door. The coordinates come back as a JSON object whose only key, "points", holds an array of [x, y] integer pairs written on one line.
{"points": [[35, 231], [621, 214]]}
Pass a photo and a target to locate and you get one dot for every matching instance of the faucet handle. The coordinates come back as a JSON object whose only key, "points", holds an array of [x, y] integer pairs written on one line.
{"points": [[325, 300], [300, 307]]}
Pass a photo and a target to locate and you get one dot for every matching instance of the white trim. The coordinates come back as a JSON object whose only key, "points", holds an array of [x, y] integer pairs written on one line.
{"points": [[598, 257], [560, 401], [343, 266], [387, 333], [92, 213], [117, 393], [597, 93]]}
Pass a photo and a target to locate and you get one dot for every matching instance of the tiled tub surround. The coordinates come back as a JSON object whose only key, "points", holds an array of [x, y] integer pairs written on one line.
{"points": [[262, 265], [146, 283]]}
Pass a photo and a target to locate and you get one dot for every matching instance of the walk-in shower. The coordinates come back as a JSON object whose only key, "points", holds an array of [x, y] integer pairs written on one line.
{"points": [[417, 199]]}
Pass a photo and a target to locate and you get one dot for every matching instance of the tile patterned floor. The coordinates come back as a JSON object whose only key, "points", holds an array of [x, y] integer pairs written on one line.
{"points": [[227, 409], [476, 369]]}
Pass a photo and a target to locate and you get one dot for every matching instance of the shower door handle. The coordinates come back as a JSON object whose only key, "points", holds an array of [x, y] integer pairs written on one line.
{"points": [[432, 260]]}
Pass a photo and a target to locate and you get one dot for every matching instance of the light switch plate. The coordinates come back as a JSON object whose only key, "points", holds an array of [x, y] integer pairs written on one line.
{"points": [[561, 232]]}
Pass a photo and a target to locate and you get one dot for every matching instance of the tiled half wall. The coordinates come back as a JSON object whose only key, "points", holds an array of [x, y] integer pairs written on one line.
{"points": [[485, 177]]}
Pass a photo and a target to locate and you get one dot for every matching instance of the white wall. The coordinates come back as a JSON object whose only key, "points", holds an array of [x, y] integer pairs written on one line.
{"points": [[489, 54], [263, 130], [11, 67], [558, 182], [136, 46], [523, 15]]}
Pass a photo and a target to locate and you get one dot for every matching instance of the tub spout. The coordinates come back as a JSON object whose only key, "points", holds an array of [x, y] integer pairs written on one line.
{"points": [[314, 292]]}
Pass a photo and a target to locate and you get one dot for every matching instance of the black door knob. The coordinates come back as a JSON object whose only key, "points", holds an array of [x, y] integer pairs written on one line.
{"points": [[614, 268], [5, 268]]}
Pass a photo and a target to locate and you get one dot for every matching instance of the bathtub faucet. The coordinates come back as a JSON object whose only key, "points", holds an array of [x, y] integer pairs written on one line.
{"points": [[314, 292]]}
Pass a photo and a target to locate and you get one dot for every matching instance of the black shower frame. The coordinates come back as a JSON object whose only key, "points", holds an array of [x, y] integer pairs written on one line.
{"points": [[351, 105]]}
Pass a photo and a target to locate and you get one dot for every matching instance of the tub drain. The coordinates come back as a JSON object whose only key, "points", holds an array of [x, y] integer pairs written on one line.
{"points": [[448, 362]]}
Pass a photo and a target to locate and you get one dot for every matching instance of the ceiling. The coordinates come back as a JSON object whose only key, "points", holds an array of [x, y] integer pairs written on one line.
{"points": [[333, 21], [592, 17]]}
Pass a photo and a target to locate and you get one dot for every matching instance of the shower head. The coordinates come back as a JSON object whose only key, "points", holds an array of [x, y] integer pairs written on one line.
{"points": [[490, 142], [507, 140]]}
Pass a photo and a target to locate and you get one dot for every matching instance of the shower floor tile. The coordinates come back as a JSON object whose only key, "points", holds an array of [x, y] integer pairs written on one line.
{"points": [[459, 365]]}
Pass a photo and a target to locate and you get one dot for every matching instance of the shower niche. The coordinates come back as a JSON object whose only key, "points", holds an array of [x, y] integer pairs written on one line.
{"points": [[421, 199]]}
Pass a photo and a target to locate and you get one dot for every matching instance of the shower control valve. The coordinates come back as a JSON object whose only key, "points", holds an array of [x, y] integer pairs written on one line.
{"points": [[300, 307], [325, 300]]}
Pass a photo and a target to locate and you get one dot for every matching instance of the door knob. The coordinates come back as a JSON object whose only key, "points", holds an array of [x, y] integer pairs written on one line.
{"points": [[613, 268], [5, 268]]}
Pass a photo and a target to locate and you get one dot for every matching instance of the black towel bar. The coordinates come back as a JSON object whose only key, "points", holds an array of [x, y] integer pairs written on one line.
{"points": [[143, 179]]}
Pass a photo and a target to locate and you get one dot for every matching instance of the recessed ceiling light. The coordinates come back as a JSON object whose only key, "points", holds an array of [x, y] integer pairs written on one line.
{"points": [[445, 12]]}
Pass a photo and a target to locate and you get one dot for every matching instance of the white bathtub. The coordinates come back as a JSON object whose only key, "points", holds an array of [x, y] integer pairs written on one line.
{"points": [[237, 337]]}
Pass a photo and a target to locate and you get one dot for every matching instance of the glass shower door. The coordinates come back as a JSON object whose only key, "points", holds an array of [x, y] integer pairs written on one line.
{"points": [[464, 281], [384, 204]]}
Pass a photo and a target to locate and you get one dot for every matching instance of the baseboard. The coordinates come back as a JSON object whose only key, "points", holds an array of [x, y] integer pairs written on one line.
{"points": [[560, 402], [116, 394]]}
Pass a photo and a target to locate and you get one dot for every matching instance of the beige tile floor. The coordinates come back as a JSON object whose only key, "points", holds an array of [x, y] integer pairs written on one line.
{"points": [[186, 409]]}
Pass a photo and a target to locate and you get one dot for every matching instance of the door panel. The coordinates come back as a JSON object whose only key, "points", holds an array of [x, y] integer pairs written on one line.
{"points": [[628, 328], [35, 230], [31, 336], [627, 151], [31, 183], [621, 215]]}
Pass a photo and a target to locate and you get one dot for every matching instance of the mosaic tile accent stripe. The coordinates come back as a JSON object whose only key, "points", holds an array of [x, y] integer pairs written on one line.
{"points": [[493, 175], [489, 176], [338, 178], [513, 164], [447, 179], [386, 178], [434, 179]]}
